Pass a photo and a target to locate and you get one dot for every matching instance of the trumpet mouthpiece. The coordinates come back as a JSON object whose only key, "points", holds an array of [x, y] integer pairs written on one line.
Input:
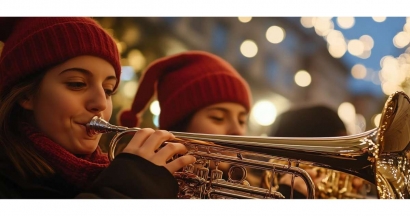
{"points": [[98, 125]]}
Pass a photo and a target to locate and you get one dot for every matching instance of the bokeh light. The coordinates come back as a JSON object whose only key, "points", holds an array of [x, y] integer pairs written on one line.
{"points": [[130, 89], [367, 41], [249, 48], [376, 119], [355, 47], [345, 22], [136, 59], [308, 22], [264, 112], [275, 34], [346, 112], [401, 39], [359, 71], [155, 108], [303, 78], [379, 19], [244, 19]]}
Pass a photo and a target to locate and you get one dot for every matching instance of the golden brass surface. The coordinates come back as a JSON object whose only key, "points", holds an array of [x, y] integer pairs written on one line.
{"points": [[380, 156]]}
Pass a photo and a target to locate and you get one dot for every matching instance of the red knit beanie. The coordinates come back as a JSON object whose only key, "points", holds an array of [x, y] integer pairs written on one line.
{"points": [[33, 44], [186, 83]]}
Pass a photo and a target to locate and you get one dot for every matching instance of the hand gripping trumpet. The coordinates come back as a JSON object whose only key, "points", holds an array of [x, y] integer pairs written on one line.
{"points": [[379, 156]]}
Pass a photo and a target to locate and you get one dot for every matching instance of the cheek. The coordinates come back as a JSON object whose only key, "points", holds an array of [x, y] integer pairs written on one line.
{"points": [[243, 129], [107, 113], [54, 108], [55, 103]]}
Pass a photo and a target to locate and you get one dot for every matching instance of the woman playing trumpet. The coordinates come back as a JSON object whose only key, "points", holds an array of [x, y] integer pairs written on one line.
{"points": [[55, 75]]}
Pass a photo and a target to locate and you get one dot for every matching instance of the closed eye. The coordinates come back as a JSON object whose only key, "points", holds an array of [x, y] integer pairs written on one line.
{"points": [[76, 85], [216, 118], [109, 92]]}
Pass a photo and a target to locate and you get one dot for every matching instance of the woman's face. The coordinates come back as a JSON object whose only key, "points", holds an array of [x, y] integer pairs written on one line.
{"points": [[70, 94], [222, 118]]}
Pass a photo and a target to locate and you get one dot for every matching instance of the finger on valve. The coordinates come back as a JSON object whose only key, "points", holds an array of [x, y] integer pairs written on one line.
{"points": [[180, 162], [167, 152]]}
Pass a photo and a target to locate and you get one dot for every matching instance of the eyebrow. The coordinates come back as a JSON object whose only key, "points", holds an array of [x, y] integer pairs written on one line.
{"points": [[87, 73], [226, 110]]}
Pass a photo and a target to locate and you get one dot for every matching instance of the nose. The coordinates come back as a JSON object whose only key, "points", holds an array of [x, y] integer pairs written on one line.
{"points": [[235, 128], [96, 100]]}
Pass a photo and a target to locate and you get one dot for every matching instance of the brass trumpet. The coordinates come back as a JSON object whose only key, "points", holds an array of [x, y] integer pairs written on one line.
{"points": [[379, 156]]}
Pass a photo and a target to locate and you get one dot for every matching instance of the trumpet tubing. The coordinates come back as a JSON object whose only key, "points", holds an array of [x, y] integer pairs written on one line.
{"points": [[380, 156], [332, 185]]}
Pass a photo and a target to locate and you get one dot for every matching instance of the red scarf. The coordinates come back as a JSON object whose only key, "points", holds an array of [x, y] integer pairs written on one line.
{"points": [[79, 170]]}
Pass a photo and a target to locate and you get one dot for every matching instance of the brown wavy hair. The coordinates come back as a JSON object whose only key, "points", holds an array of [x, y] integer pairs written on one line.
{"points": [[16, 149]]}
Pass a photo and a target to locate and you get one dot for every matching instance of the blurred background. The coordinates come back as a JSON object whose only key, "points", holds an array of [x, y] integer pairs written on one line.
{"points": [[350, 64]]}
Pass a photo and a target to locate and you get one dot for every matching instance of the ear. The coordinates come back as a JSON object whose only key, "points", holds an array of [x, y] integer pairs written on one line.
{"points": [[27, 103]]}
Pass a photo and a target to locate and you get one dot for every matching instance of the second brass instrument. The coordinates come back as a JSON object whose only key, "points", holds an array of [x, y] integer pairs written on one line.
{"points": [[379, 156]]}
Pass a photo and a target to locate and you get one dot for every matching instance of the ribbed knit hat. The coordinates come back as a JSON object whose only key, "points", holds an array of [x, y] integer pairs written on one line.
{"points": [[184, 84], [33, 44]]}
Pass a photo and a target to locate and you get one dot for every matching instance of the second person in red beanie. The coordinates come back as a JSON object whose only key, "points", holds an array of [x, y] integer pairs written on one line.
{"points": [[197, 92]]}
